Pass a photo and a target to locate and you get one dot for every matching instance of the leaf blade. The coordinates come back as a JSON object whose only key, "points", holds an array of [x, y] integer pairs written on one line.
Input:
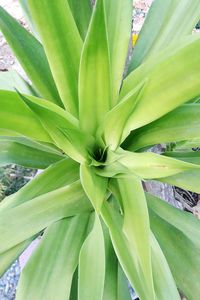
{"points": [[18, 119], [178, 234], [172, 14], [16, 153], [146, 165], [56, 176], [94, 76], [136, 225], [40, 281], [31, 55], [95, 186], [178, 125], [165, 81], [119, 20], [33, 216], [60, 44], [82, 12], [165, 286], [92, 264]]}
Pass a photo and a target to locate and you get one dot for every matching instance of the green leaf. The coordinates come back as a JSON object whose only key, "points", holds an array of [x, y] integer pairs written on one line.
{"points": [[49, 272], [56, 176], [42, 146], [11, 80], [166, 88], [15, 153], [61, 126], [191, 157], [165, 286], [172, 14], [92, 264], [31, 217], [8, 257], [188, 180], [112, 128], [82, 11], [123, 288], [183, 221], [95, 186], [17, 118], [124, 250], [119, 23], [31, 55], [136, 226], [111, 268], [152, 25], [181, 15], [62, 44], [186, 145], [94, 79], [116, 283], [178, 125], [145, 165], [178, 234], [74, 286], [143, 71]]}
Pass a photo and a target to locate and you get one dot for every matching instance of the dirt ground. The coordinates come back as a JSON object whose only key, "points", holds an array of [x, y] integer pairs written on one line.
{"points": [[7, 59]]}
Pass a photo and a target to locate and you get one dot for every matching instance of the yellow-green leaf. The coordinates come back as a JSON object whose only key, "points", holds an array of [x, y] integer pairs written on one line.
{"points": [[31, 55], [62, 44], [94, 185], [94, 78], [49, 272], [92, 264]]}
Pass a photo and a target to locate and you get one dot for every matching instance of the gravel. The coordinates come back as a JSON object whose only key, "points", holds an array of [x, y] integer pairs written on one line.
{"points": [[9, 281]]}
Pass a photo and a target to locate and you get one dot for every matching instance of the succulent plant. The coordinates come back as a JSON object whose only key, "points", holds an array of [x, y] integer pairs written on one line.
{"points": [[88, 124]]}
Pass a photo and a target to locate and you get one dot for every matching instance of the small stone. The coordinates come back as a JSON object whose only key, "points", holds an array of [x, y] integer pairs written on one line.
{"points": [[6, 288]]}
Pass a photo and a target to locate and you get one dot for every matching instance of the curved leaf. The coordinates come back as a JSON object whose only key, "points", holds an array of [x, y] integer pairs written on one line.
{"points": [[152, 24], [178, 125], [165, 286], [56, 176], [124, 250], [145, 165], [136, 225], [111, 131], [31, 55], [31, 217], [191, 157], [178, 234], [61, 126], [49, 272], [8, 257], [166, 88], [172, 14], [16, 153], [188, 180], [95, 186], [16, 117], [62, 44]]}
